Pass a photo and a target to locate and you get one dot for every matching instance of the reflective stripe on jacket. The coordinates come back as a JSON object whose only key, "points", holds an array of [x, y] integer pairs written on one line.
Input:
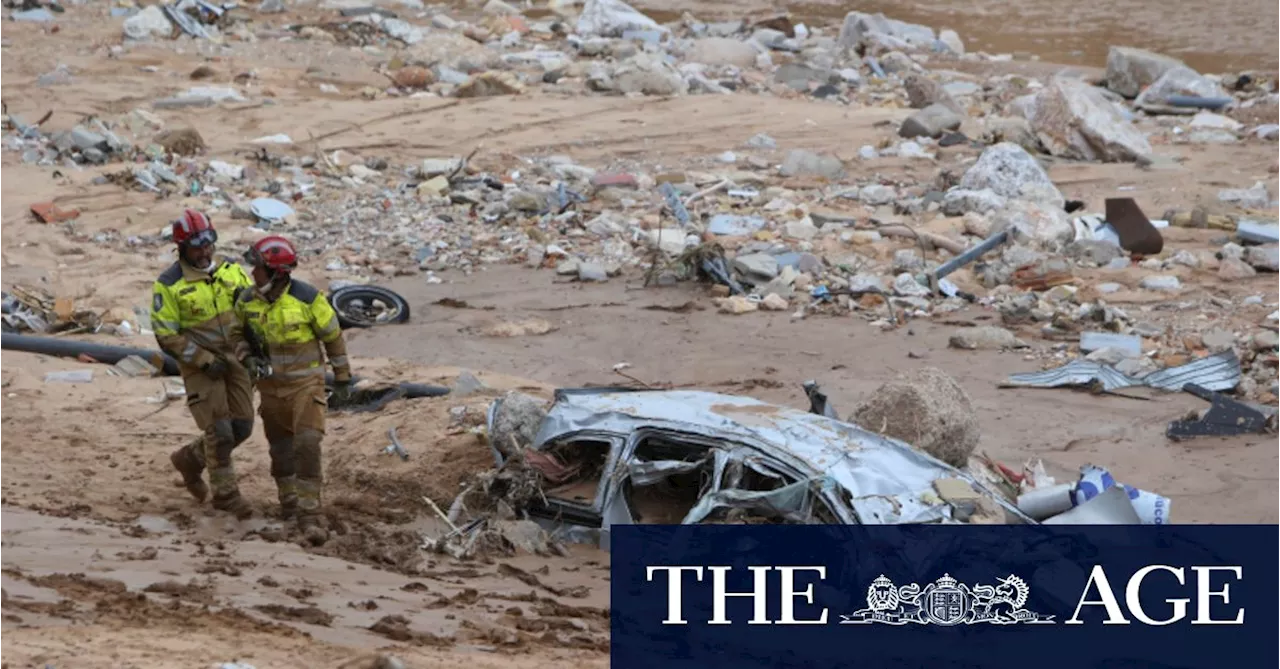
{"points": [[298, 330], [192, 312]]}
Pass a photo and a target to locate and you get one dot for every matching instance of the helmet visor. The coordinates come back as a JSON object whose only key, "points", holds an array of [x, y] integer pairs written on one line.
{"points": [[203, 238]]}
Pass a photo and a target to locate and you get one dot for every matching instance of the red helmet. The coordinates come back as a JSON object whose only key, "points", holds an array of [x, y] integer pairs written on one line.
{"points": [[274, 253], [194, 229]]}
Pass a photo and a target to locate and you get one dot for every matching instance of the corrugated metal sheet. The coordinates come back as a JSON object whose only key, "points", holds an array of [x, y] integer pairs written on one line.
{"points": [[1220, 371]]}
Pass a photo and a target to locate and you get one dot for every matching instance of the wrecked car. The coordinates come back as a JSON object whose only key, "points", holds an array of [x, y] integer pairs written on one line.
{"points": [[620, 456]]}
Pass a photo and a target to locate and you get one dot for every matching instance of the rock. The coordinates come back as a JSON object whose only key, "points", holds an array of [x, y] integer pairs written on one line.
{"points": [[413, 77], [612, 18], [1207, 120], [859, 26], [719, 51], [896, 62], [950, 39], [961, 201], [802, 229], [877, 194], [907, 260], [526, 201], [1011, 129], [1023, 106], [1265, 340], [1269, 131], [649, 75], [434, 167], [923, 92], [488, 84], [1042, 225], [905, 285], [516, 421], [181, 141], [1129, 70], [271, 7], [1075, 120], [605, 225], [1265, 258], [363, 173], [756, 265], [927, 409], [567, 267], [1218, 339], [402, 30], [499, 8], [1136, 367], [807, 163], [1007, 170], [985, 337], [1161, 282], [735, 304], [444, 50], [1180, 81], [589, 271], [1234, 269], [865, 283], [774, 302], [148, 23], [932, 121], [761, 141], [669, 240], [976, 224], [799, 77], [1254, 197], [1185, 258], [1094, 251]]}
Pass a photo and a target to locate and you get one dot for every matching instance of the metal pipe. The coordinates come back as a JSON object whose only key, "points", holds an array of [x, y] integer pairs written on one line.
{"points": [[71, 348], [1197, 102], [969, 256]]}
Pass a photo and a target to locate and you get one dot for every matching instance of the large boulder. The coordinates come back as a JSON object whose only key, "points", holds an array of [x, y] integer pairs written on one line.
{"points": [[1075, 120], [1007, 170], [1130, 70], [1180, 81], [927, 409], [516, 422], [858, 26]]}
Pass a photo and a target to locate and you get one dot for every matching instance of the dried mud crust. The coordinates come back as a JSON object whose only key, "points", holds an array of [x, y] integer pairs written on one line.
{"points": [[96, 600]]}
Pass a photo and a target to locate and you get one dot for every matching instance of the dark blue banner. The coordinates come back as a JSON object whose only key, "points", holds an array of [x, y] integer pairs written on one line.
{"points": [[740, 597]]}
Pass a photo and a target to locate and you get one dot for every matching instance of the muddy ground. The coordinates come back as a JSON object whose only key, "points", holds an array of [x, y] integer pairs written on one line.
{"points": [[107, 562]]}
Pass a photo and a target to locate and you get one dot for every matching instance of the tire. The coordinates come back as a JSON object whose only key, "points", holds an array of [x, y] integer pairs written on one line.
{"points": [[357, 306]]}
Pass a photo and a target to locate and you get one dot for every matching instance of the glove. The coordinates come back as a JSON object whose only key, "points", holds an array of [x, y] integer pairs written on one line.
{"points": [[257, 367], [341, 393], [216, 368]]}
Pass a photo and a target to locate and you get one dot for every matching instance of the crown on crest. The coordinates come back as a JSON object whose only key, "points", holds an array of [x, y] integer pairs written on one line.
{"points": [[946, 581], [882, 581]]}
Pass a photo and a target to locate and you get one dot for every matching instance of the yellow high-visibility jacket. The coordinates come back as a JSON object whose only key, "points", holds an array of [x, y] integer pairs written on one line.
{"points": [[298, 330], [192, 312]]}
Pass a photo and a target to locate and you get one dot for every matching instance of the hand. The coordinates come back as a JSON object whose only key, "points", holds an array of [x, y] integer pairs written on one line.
{"points": [[216, 368], [257, 367], [341, 393]]}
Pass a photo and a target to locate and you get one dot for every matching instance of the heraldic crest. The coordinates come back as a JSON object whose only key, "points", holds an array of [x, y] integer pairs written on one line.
{"points": [[947, 602]]}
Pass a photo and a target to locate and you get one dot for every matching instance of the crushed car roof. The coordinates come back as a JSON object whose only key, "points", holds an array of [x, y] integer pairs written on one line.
{"points": [[887, 480]]}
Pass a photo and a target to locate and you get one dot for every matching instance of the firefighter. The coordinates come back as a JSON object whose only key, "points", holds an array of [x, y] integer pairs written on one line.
{"points": [[192, 314], [285, 331]]}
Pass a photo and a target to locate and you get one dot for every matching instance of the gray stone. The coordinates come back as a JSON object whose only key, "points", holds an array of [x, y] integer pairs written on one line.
{"points": [[923, 92], [1218, 339], [907, 260], [877, 194], [1180, 81], [1108, 355], [148, 23], [523, 200], [927, 409], [859, 26], [84, 139], [499, 8], [761, 141], [271, 7], [1234, 269], [807, 163], [932, 121], [1269, 131], [866, 283], [1042, 225], [985, 337], [719, 51], [1254, 197], [1012, 129], [756, 265], [1129, 70], [896, 62], [1185, 258], [1162, 282], [905, 285], [1075, 120], [606, 225], [803, 229], [1265, 340], [1094, 251], [799, 76], [950, 39], [1007, 170], [961, 201], [516, 421], [589, 271], [649, 75], [1145, 329], [1263, 257]]}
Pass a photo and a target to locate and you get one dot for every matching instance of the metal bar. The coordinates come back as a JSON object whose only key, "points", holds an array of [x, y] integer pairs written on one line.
{"points": [[971, 255]]}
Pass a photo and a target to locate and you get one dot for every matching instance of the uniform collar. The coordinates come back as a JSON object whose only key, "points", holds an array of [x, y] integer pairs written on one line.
{"points": [[279, 291], [190, 273]]}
